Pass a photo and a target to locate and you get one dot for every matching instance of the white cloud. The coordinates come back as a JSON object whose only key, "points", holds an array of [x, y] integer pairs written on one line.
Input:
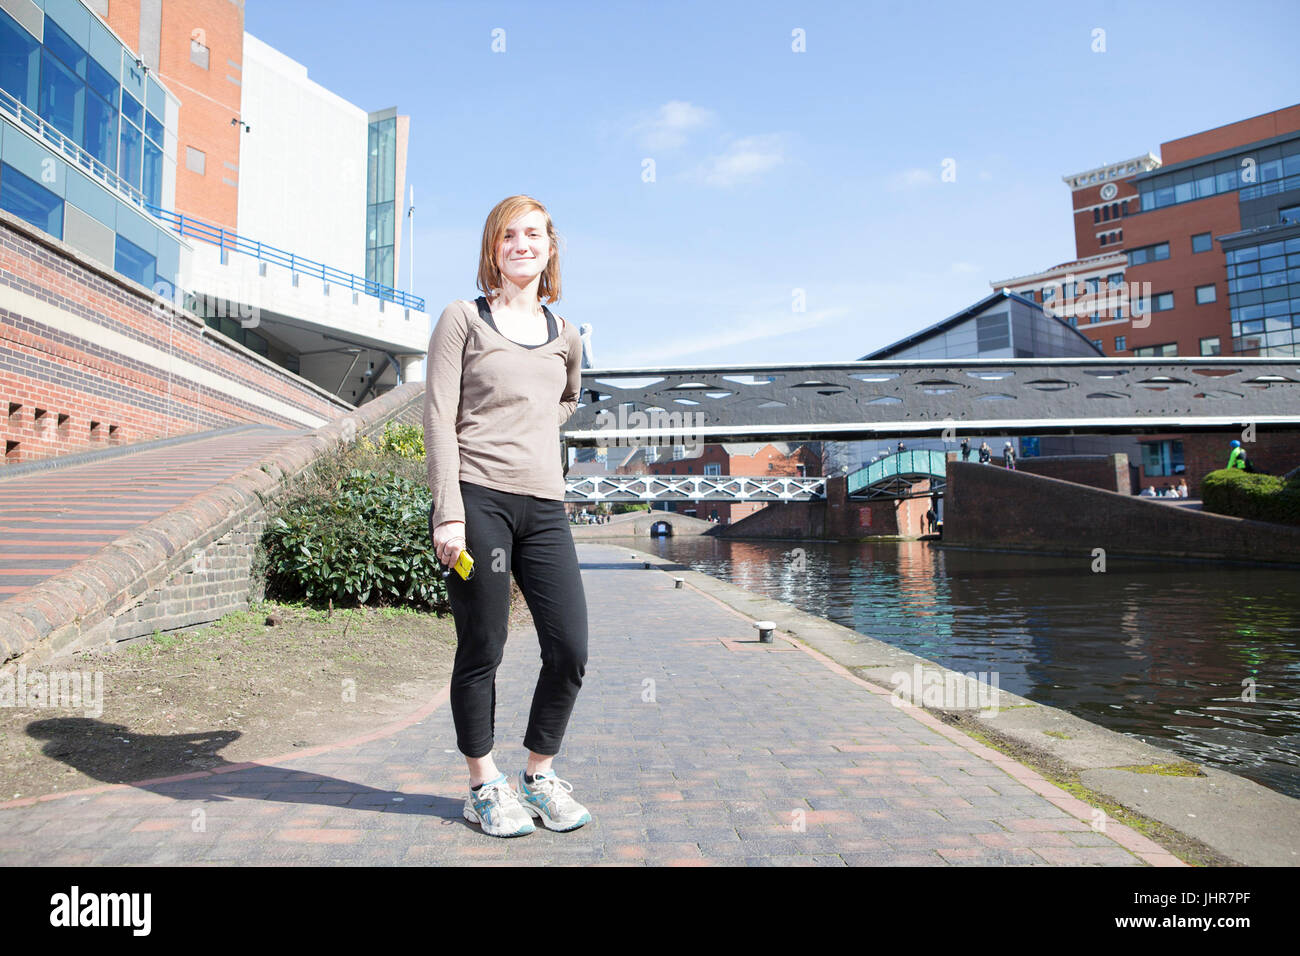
{"points": [[738, 330], [669, 125], [745, 160], [909, 178]]}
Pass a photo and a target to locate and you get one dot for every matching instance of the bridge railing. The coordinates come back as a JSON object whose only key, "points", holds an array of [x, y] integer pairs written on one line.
{"points": [[917, 462]]}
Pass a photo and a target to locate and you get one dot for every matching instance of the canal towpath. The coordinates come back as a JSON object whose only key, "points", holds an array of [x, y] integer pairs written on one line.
{"points": [[692, 743]]}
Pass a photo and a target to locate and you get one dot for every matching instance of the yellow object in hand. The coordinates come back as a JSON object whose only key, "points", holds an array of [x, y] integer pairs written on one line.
{"points": [[464, 565]]}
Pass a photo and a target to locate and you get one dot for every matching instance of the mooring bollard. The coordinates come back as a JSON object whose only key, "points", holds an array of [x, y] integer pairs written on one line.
{"points": [[677, 583], [765, 629], [646, 565]]}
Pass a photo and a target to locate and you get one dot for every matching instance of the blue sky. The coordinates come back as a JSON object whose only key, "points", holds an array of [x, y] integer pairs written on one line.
{"points": [[776, 170]]}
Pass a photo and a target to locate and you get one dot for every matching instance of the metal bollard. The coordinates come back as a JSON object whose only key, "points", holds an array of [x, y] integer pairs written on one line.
{"points": [[678, 583], [765, 629]]}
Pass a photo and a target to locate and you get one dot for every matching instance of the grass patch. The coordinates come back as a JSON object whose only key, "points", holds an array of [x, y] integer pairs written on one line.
{"points": [[1181, 769]]}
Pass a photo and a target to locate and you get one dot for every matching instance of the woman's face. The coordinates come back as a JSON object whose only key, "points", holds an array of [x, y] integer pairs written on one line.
{"points": [[524, 249]]}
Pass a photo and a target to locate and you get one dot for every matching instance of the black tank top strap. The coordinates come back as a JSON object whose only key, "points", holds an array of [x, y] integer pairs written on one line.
{"points": [[485, 312], [552, 328]]}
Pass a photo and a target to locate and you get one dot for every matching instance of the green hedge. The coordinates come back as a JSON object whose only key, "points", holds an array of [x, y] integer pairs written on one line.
{"points": [[1231, 491], [356, 532]]}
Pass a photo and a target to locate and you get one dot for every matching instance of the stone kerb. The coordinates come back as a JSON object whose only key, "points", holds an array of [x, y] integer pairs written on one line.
{"points": [[80, 606]]}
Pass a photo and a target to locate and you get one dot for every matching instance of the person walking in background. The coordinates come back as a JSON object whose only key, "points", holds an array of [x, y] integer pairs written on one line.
{"points": [[1009, 457], [965, 449], [1182, 488], [503, 375], [986, 453]]}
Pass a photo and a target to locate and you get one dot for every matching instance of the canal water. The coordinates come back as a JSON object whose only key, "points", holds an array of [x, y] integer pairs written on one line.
{"points": [[1169, 652]]}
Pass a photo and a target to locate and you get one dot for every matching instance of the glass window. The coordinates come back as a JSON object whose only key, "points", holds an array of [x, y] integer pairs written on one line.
{"points": [[64, 47], [153, 128], [1164, 301], [62, 97], [1201, 242], [1119, 343], [101, 131], [29, 200], [101, 81], [1210, 346], [130, 155], [133, 262], [132, 109], [1115, 279], [1289, 213], [1103, 239], [151, 184], [20, 62], [1205, 294]]}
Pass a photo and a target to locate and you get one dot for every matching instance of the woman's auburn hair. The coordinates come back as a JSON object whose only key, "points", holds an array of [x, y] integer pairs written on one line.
{"points": [[502, 214]]}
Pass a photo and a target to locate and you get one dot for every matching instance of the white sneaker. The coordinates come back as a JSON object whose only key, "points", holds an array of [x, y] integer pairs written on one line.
{"points": [[496, 808], [547, 798]]}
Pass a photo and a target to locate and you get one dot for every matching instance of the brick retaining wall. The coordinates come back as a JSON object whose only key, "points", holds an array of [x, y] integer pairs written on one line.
{"points": [[190, 566], [991, 507], [90, 359]]}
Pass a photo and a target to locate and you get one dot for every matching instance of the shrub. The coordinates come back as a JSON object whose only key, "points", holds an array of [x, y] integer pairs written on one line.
{"points": [[356, 531], [1231, 491], [406, 441]]}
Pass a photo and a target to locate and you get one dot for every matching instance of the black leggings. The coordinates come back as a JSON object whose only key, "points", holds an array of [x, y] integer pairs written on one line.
{"points": [[530, 537]]}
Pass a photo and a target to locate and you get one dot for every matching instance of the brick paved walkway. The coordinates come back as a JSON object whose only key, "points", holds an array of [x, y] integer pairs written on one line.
{"points": [[51, 520], [687, 750]]}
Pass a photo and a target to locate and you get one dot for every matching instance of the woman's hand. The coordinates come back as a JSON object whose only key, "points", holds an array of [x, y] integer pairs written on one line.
{"points": [[449, 541]]}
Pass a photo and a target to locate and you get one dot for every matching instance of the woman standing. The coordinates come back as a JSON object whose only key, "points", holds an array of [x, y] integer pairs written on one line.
{"points": [[503, 375]]}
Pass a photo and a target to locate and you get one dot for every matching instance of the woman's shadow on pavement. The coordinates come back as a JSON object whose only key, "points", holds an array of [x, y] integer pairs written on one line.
{"points": [[114, 754]]}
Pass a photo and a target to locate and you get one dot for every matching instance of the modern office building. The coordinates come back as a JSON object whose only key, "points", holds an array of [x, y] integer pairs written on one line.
{"points": [[1207, 234], [88, 138], [164, 141]]}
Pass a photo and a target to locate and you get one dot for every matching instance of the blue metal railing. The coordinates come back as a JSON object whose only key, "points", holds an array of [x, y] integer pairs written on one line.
{"points": [[920, 462], [227, 240]]}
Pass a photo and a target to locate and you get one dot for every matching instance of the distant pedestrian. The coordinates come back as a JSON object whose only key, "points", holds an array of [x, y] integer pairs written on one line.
{"points": [[1182, 488], [986, 453], [901, 448], [930, 519], [965, 449], [1009, 456], [1237, 458]]}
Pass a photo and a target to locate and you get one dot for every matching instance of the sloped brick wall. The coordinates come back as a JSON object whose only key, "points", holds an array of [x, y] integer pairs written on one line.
{"points": [[89, 359]]}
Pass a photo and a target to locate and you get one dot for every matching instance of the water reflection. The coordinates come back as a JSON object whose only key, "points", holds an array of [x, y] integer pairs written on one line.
{"points": [[1159, 650]]}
